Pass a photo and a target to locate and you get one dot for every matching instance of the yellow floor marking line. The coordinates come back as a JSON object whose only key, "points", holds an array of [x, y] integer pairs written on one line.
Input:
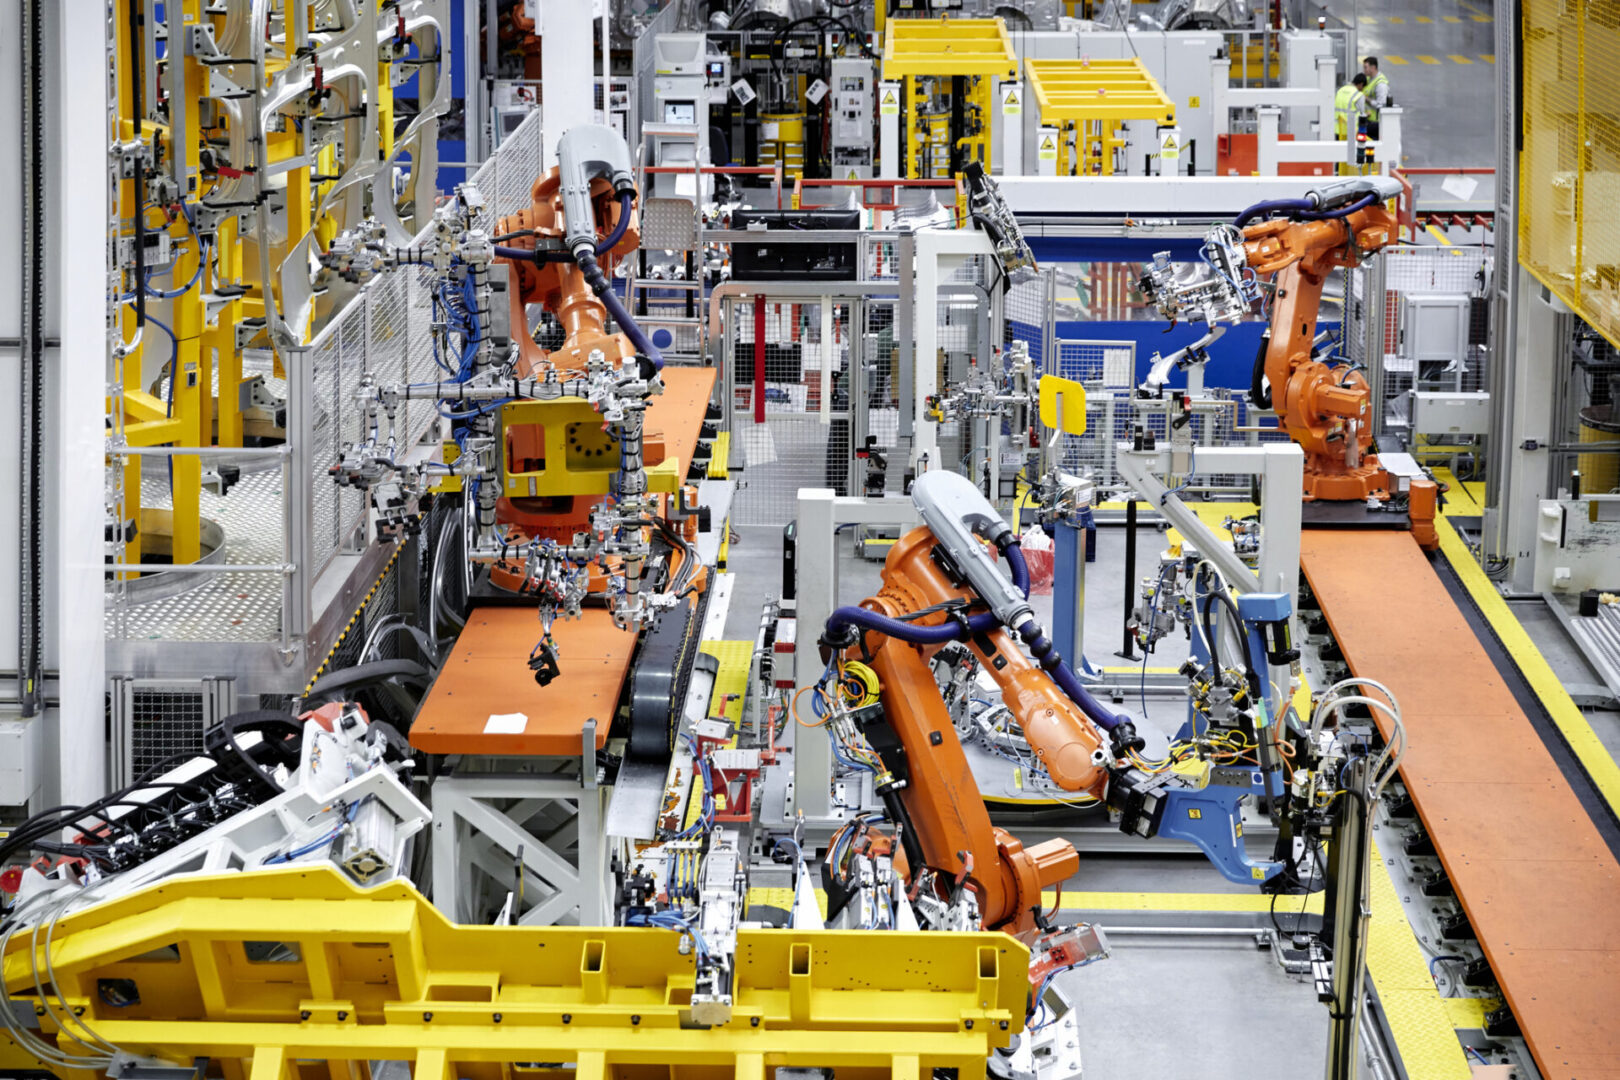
{"points": [[1424, 19], [1489, 57], [1464, 498], [1588, 748], [1434, 231], [1369, 20], [1458, 58], [1396, 19], [1427, 59], [1482, 18], [1452, 18], [1177, 901], [1417, 1015], [1398, 61]]}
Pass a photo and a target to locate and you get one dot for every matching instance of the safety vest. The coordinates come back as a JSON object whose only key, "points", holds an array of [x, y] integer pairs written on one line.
{"points": [[1344, 102], [1377, 80]]}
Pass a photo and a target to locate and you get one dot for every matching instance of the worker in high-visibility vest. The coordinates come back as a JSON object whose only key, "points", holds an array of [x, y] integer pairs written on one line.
{"points": [[1351, 100], [1377, 95]]}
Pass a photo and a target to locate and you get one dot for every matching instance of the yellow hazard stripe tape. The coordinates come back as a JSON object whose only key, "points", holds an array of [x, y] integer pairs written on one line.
{"points": [[359, 613], [1588, 748], [1417, 1015]]}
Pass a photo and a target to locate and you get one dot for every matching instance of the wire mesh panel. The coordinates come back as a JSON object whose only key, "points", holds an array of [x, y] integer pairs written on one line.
{"points": [[158, 723], [877, 401], [1435, 314], [164, 723], [1027, 311], [880, 258], [805, 438], [1113, 412], [1569, 191]]}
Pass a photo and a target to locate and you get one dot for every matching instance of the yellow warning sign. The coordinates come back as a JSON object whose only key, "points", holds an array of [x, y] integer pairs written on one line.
{"points": [[1170, 146], [889, 103], [1046, 149], [1011, 103], [1192, 102]]}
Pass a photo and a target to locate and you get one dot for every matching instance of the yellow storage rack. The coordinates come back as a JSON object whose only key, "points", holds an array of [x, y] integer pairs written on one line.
{"points": [[1091, 99]]}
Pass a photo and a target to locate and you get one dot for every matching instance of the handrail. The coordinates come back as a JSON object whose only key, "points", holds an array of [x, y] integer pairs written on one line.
{"points": [[774, 171], [890, 182]]}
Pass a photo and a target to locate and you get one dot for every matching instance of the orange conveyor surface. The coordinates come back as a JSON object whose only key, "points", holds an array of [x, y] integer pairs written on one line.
{"points": [[1537, 879], [487, 673]]}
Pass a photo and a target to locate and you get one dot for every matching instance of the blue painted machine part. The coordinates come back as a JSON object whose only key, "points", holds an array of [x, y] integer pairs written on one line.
{"points": [[1210, 819]]}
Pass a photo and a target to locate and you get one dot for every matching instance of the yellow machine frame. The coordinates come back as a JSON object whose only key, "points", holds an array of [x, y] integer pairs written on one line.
{"points": [[977, 48], [381, 975], [580, 458], [1092, 99]]}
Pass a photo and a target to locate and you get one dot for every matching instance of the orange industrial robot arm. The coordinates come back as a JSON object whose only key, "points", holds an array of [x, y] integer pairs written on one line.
{"points": [[1327, 413], [933, 580], [1325, 408]]}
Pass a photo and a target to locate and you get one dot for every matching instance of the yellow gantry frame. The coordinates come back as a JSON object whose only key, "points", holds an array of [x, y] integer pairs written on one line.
{"points": [[1093, 98], [380, 974], [976, 48]]}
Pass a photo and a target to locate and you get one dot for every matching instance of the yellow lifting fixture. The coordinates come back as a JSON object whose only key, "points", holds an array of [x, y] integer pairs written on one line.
{"points": [[261, 972], [1091, 100], [977, 50]]}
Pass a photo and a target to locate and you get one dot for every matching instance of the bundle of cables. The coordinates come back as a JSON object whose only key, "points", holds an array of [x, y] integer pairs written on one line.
{"points": [[705, 773], [142, 818], [671, 920], [849, 748], [1037, 1002]]}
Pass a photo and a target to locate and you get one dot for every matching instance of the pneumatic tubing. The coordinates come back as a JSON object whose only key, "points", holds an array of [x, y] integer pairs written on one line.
{"points": [[586, 258]]}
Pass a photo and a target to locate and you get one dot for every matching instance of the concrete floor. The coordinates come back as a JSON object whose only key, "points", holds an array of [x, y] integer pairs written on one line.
{"points": [[1439, 57]]}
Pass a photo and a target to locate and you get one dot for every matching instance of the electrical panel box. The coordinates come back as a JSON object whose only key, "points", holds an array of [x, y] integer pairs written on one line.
{"points": [[851, 132], [680, 80], [21, 760], [1436, 412], [1436, 339], [717, 76]]}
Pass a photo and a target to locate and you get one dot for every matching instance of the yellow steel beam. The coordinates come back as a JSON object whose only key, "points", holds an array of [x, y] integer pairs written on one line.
{"points": [[381, 974], [948, 47], [1079, 91]]}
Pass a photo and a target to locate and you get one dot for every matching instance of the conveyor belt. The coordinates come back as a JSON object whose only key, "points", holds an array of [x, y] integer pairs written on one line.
{"points": [[1535, 873]]}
